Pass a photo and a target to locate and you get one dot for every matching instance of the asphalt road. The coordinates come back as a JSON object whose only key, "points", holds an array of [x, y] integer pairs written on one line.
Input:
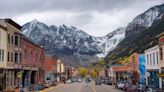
{"points": [[82, 87]]}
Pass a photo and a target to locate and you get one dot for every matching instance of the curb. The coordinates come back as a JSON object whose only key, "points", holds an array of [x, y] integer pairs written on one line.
{"points": [[48, 89]]}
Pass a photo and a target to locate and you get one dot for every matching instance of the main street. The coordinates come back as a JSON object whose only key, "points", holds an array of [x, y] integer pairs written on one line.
{"points": [[82, 87]]}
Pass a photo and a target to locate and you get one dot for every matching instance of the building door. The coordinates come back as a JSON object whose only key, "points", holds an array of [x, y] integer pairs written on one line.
{"points": [[33, 77], [25, 79]]}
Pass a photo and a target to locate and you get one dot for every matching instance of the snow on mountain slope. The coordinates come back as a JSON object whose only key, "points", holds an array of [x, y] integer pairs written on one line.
{"points": [[70, 41], [110, 41], [145, 19]]}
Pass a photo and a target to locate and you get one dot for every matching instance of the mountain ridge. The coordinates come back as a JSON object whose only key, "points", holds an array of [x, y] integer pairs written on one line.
{"points": [[69, 41], [137, 38]]}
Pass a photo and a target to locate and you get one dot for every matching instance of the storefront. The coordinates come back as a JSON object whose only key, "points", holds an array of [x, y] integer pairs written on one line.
{"points": [[161, 78], [153, 79], [121, 76]]}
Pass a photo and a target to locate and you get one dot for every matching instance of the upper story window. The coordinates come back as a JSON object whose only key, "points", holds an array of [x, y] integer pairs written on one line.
{"points": [[1, 55], [157, 56], [12, 40], [150, 60], [8, 38], [154, 61], [0, 37], [147, 59], [17, 57], [8, 56], [161, 53], [12, 57], [16, 40]]}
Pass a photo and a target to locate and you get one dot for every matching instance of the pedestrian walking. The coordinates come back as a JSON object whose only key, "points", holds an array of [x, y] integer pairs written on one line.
{"points": [[87, 81]]}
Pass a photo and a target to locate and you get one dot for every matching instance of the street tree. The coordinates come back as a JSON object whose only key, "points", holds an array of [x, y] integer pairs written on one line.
{"points": [[82, 72]]}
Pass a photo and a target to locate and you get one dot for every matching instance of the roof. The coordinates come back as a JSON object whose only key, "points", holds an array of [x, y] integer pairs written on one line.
{"points": [[51, 56], [4, 28], [110, 65], [12, 23], [28, 40], [161, 34]]}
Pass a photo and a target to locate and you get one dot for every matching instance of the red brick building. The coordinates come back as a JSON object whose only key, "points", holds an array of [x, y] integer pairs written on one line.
{"points": [[50, 68], [54, 69], [32, 60], [50, 64]]}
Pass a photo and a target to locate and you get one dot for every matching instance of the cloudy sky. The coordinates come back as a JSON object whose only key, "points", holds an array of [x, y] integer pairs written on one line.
{"points": [[96, 17]]}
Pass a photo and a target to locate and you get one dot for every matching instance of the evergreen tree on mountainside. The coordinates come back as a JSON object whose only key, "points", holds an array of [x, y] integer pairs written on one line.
{"points": [[138, 42]]}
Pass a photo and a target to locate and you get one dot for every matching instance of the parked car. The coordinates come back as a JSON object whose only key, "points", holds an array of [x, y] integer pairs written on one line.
{"points": [[108, 82], [46, 85], [120, 85], [74, 79], [103, 80], [153, 89], [97, 81], [126, 86], [69, 81], [140, 88], [79, 80], [39, 87], [131, 88]]}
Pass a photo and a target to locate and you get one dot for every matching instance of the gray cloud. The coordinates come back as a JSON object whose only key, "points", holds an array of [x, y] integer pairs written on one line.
{"points": [[24, 6], [90, 15]]}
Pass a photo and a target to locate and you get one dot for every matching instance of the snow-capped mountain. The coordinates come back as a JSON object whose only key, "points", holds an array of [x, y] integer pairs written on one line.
{"points": [[145, 19], [111, 40], [70, 41], [141, 33]]}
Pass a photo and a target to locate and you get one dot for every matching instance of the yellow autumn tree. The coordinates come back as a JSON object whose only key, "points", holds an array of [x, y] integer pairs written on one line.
{"points": [[94, 74], [82, 72]]}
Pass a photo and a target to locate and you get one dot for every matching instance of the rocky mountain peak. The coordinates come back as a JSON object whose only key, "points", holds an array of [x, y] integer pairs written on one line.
{"points": [[144, 20], [70, 41]]}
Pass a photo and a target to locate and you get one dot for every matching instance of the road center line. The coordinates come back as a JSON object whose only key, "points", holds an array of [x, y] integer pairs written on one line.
{"points": [[94, 90], [93, 87], [78, 90]]}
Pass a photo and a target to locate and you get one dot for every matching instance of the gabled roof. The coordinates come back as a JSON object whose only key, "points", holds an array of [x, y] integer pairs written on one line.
{"points": [[12, 23], [2, 27], [161, 34], [30, 41]]}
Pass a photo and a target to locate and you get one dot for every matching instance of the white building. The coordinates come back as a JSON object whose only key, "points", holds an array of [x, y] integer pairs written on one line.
{"points": [[60, 69], [161, 62], [152, 61]]}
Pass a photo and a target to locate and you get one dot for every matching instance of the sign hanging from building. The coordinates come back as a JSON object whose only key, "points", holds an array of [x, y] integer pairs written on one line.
{"points": [[19, 74], [160, 75], [142, 68]]}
